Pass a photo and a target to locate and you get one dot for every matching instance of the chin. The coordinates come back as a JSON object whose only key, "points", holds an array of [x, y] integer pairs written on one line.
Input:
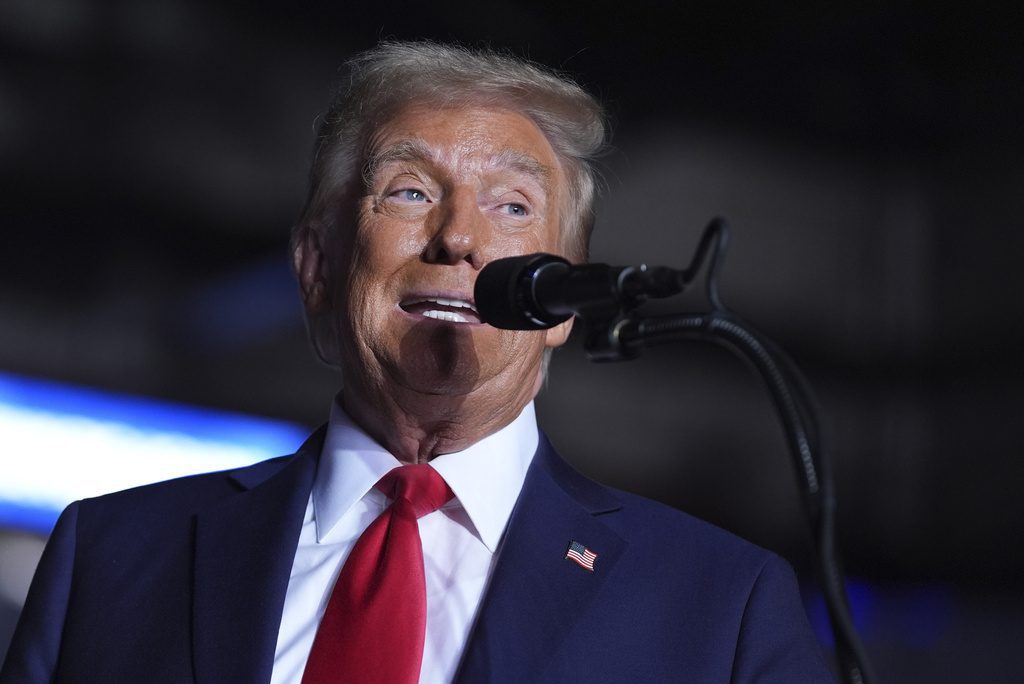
{"points": [[439, 354], [430, 379]]}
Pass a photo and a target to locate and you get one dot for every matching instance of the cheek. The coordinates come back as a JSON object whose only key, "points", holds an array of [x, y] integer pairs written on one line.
{"points": [[520, 347], [386, 241], [516, 243], [355, 290], [378, 252]]}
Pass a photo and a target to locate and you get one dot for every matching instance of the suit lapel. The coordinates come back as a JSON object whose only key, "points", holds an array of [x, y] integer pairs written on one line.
{"points": [[243, 559], [536, 597]]}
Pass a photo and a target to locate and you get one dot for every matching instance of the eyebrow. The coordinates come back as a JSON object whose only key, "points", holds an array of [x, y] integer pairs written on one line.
{"points": [[403, 151], [523, 163], [415, 150]]}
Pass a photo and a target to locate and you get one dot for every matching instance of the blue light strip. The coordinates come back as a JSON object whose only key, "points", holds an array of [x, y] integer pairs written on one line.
{"points": [[60, 442], [147, 414]]}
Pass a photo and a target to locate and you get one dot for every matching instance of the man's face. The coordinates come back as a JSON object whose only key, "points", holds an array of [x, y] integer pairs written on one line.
{"points": [[447, 191]]}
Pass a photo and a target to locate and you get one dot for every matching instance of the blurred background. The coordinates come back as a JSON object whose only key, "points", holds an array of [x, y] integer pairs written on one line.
{"points": [[867, 155]]}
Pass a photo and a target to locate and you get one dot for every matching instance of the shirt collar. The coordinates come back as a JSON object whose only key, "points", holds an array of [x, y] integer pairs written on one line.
{"points": [[486, 477]]}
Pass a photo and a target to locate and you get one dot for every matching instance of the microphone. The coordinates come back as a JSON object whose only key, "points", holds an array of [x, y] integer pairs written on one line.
{"points": [[539, 291]]}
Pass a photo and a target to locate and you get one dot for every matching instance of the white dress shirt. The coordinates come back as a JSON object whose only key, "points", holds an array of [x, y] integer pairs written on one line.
{"points": [[459, 541]]}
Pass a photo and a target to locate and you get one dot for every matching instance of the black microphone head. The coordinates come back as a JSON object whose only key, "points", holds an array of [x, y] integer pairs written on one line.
{"points": [[504, 293]]}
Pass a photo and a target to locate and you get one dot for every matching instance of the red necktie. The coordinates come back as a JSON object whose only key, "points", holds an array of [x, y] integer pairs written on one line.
{"points": [[376, 618]]}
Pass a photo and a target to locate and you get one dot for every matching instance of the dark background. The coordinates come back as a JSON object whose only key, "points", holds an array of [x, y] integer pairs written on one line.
{"points": [[153, 156]]}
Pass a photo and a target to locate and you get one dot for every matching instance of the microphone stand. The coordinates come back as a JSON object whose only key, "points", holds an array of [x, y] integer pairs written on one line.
{"points": [[621, 335]]}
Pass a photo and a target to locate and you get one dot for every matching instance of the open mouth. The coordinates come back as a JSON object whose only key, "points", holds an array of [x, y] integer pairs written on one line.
{"points": [[442, 309]]}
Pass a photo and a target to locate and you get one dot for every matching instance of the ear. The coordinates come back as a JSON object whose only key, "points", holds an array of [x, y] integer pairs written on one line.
{"points": [[556, 336], [310, 263]]}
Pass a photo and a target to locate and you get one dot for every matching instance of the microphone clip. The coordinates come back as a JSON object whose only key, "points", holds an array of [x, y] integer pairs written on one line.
{"points": [[617, 335]]}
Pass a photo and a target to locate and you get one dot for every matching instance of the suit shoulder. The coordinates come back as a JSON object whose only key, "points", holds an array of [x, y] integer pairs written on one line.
{"points": [[177, 497], [653, 526], [650, 522], [180, 491], [233, 477], [656, 529]]}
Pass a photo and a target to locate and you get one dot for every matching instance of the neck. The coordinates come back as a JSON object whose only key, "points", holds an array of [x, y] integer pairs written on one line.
{"points": [[416, 427]]}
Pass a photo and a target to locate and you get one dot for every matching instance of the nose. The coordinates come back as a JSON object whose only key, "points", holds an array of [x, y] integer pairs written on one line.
{"points": [[459, 234]]}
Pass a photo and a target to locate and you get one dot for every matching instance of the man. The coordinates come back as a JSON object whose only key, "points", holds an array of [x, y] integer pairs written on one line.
{"points": [[432, 162]]}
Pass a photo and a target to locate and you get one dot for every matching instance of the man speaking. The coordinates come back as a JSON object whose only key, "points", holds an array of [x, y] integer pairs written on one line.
{"points": [[429, 533]]}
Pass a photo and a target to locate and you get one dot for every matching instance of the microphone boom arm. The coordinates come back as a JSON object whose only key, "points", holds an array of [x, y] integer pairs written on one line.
{"points": [[619, 336]]}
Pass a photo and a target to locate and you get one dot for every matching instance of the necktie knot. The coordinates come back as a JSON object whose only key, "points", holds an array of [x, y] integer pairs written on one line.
{"points": [[418, 485]]}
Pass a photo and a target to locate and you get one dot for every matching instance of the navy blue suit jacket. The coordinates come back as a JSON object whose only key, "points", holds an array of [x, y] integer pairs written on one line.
{"points": [[185, 581]]}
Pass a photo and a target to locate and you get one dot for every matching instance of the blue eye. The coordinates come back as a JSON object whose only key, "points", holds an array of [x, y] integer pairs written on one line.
{"points": [[412, 195], [516, 209]]}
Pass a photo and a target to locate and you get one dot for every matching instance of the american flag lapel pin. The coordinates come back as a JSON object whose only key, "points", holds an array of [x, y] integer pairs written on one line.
{"points": [[581, 555]]}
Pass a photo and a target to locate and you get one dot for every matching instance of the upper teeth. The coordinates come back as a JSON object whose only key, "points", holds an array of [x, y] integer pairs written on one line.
{"points": [[450, 316], [458, 303], [452, 302]]}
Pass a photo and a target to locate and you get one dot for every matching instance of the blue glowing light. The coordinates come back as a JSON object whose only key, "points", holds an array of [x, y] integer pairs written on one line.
{"points": [[60, 443]]}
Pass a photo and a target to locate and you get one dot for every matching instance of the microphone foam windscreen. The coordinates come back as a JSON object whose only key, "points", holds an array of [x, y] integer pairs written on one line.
{"points": [[499, 292]]}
